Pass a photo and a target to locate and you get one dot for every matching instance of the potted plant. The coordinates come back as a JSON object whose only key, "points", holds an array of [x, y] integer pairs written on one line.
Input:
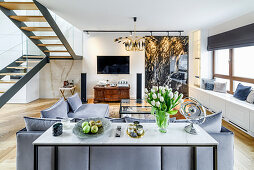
{"points": [[163, 102]]}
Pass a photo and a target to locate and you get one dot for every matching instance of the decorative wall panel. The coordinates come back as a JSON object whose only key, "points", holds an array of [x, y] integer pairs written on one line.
{"points": [[166, 62]]}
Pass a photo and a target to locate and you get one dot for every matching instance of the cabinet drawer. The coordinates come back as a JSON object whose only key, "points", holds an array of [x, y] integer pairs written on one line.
{"points": [[112, 92], [252, 121], [238, 115]]}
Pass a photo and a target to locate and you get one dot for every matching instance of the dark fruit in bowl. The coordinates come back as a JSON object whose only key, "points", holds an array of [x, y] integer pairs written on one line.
{"points": [[98, 123]]}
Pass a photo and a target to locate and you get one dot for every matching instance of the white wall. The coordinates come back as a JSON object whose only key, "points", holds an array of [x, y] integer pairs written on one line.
{"points": [[55, 73], [103, 44], [232, 24]]}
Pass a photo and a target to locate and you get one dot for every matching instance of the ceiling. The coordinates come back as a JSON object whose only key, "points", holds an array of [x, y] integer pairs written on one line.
{"points": [[152, 15]]}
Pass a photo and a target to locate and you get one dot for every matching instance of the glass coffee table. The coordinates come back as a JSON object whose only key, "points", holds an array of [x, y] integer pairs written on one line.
{"points": [[134, 106]]}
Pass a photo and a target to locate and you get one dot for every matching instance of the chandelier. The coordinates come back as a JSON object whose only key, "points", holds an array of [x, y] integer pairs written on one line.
{"points": [[132, 42]]}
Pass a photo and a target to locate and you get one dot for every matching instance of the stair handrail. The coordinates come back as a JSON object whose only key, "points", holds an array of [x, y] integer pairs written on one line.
{"points": [[12, 48]]}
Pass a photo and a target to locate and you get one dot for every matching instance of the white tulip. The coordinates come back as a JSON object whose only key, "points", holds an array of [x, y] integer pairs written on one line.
{"points": [[146, 91], [158, 104], [175, 96], [146, 96], [153, 103], [161, 99], [160, 87], [159, 95], [163, 91], [154, 96], [176, 93], [166, 87], [181, 101], [153, 90], [170, 89], [170, 95]]}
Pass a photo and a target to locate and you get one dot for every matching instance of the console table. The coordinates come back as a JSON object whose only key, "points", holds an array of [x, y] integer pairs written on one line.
{"points": [[175, 137], [110, 94]]}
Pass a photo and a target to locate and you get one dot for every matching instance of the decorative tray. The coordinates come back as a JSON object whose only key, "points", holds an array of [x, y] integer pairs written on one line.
{"points": [[78, 130], [138, 136]]}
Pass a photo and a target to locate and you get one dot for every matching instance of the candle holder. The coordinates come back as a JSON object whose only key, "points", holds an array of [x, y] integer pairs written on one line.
{"points": [[57, 129]]}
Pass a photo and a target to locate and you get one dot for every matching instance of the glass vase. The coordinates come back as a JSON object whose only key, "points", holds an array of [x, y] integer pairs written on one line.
{"points": [[162, 121]]}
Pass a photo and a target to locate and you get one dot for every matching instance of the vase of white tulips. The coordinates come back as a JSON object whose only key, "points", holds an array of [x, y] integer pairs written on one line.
{"points": [[163, 101]]}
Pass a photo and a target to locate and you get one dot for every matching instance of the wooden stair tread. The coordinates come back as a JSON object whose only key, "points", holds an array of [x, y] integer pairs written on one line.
{"points": [[12, 74], [2, 91], [19, 68], [37, 28], [19, 5], [59, 57], [36, 56], [7, 81], [55, 51], [44, 45], [29, 18], [30, 61], [44, 37]]}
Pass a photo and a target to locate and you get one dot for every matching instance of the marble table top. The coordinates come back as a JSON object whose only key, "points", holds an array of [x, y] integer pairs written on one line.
{"points": [[175, 136]]}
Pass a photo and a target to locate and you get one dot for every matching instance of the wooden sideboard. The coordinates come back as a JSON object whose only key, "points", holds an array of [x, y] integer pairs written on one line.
{"points": [[110, 94]]}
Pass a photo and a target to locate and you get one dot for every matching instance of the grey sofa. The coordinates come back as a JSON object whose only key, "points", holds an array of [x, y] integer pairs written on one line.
{"points": [[63, 109], [122, 158]]}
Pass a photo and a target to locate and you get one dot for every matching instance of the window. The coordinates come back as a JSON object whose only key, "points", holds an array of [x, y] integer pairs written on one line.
{"points": [[221, 62], [234, 66], [243, 62]]}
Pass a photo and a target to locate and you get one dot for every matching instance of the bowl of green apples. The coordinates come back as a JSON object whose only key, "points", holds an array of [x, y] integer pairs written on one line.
{"points": [[91, 127]]}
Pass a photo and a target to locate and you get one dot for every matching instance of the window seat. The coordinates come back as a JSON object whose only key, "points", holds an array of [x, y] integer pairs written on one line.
{"points": [[237, 112]]}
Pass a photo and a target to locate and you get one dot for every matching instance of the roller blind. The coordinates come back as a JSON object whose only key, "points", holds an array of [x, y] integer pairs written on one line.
{"points": [[239, 37]]}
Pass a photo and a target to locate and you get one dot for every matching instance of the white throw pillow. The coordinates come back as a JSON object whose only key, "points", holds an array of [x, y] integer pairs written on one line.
{"points": [[220, 87], [250, 98]]}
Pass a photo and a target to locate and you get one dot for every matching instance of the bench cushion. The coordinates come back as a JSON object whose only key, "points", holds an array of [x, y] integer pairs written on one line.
{"points": [[90, 110], [242, 92]]}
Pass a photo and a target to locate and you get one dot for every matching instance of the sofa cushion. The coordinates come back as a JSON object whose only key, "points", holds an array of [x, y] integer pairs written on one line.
{"points": [[59, 109], [131, 120], [209, 86], [220, 87], [212, 123], [250, 98], [39, 124], [90, 110], [74, 102], [204, 81], [242, 92]]}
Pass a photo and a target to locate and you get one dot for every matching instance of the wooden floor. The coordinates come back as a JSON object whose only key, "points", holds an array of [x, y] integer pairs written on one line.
{"points": [[11, 120]]}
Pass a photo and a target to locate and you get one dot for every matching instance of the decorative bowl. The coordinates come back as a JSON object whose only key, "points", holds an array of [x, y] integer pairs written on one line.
{"points": [[78, 131]]}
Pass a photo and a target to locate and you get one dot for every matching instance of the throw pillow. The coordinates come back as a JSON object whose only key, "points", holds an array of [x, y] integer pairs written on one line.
{"points": [[242, 92], [204, 81], [39, 124], [59, 109], [74, 102], [131, 120], [250, 98], [212, 123], [209, 86], [220, 87]]}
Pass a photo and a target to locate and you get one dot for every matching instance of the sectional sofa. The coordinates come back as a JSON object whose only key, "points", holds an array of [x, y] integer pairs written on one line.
{"points": [[124, 158]]}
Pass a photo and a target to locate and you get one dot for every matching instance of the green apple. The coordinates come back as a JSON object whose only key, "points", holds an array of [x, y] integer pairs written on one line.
{"points": [[91, 123], [94, 129], [86, 129], [84, 124]]}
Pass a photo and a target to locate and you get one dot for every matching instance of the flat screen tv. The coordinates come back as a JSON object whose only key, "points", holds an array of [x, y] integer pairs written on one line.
{"points": [[113, 64]]}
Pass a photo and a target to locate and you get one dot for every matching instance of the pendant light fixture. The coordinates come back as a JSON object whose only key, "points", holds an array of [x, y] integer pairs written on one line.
{"points": [[132, 42]]}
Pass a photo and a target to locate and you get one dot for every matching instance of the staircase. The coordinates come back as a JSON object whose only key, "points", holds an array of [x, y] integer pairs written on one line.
{"points": [[14, 76]]}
